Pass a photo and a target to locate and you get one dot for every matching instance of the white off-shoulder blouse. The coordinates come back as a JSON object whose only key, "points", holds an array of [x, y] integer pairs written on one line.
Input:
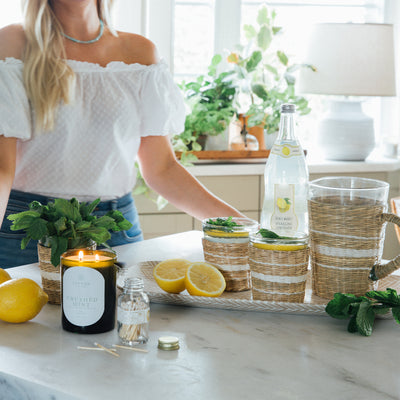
{"points": [[92, 150]]}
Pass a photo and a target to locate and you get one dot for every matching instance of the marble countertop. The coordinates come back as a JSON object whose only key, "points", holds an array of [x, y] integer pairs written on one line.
{"points": [[223, 355]]}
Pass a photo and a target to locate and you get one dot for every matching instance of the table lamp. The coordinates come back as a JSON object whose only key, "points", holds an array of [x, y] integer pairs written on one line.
{"points": [[350, 60]]}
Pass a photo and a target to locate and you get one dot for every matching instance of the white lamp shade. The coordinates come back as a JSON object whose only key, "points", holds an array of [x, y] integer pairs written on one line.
{"points": [[351, 60]]}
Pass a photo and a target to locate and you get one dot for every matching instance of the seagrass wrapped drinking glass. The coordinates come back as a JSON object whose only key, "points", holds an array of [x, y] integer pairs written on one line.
{"points": [[347, 230], [225, 245], [279, 267]]}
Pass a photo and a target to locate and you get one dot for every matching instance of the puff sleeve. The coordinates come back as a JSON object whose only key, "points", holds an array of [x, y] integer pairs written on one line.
{"points": [[15, 115], [162, 106]]}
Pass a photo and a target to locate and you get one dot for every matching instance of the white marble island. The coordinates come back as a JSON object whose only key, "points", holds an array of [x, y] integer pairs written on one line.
{"points": [[223, 354]]}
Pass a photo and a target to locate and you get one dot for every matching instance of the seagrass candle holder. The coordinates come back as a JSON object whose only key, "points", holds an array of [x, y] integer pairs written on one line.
{"points": [[225, 245], [278, 268]]}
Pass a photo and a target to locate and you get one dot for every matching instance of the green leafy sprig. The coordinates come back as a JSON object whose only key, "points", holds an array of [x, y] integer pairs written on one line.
{"points": [[266, 233], [66, 224], [225, 222], [363, 310]]}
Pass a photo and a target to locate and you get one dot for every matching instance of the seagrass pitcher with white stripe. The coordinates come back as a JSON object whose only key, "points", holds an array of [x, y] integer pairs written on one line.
{"points": [[347, 222]]}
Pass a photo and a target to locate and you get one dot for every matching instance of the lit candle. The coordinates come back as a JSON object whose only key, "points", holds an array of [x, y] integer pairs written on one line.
{"points": [[88, 290]]}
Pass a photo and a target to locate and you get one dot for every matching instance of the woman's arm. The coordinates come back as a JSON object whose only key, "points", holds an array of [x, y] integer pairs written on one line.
{"points": [[164, 174], [8, 150]]}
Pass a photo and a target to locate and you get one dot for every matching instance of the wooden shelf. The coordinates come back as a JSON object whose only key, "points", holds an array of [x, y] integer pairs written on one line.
{"points": [[228, 154]]}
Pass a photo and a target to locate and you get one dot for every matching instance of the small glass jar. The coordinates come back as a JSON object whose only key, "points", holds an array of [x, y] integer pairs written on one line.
{"points": [[279, 268], [227, 249], [133, 313]]}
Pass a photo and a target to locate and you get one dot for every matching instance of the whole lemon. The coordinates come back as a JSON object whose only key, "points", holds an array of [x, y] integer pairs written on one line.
{"points": [[21, 300], [4, 276]]}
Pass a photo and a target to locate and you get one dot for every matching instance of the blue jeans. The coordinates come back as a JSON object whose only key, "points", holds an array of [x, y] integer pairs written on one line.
{"points": [[11, 254]]}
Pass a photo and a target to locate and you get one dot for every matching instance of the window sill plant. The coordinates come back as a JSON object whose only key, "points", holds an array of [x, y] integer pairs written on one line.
{"points": [[264, 76], [210, 100]]}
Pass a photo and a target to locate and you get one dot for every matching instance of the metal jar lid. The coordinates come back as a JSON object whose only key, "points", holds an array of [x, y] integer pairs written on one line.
{"points": [[168, 343]]}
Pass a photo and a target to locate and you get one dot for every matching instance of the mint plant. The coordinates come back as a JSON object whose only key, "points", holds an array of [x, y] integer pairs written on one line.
{"points": [[66, 224], [363, 310]]}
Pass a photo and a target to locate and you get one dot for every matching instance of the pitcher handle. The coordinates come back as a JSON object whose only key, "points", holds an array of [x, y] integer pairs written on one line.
{"points": [[379, 271]]}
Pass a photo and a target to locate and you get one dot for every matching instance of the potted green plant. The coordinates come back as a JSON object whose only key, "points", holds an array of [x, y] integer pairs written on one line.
{"points": [[62, 225], [210, 101], [264, 76]]}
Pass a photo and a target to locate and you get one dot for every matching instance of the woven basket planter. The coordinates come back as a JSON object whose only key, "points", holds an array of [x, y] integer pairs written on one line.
{"points": [[51, 279], [278, 275]]}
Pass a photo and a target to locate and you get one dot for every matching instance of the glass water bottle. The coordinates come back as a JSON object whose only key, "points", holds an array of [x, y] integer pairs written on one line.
{"points": [[286, 181]]}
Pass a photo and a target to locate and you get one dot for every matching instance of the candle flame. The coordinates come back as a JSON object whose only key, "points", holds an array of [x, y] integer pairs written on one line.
{"points": [[80, 255], [96, 257]]}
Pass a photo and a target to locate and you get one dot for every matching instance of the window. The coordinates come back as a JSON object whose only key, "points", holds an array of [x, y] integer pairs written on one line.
{"points": [[10, 12]]}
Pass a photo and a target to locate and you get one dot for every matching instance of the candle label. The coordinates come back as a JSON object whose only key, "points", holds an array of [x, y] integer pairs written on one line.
{"points": [[83, 295]]}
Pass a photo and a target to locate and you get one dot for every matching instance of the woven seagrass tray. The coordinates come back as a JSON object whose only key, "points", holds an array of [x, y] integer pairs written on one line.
{"points": [[313, 305]]}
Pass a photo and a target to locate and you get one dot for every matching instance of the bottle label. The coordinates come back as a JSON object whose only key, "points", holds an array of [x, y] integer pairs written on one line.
{"points": [[136, 317], [83, 295], [286, 150], [284, 218]]}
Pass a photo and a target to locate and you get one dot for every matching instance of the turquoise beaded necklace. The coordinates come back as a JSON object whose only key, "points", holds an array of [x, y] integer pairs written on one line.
{"points": [[87, 41]]}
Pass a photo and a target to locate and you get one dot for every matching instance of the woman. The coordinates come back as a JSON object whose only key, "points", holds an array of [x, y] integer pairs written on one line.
{"points": [[78, 103]]}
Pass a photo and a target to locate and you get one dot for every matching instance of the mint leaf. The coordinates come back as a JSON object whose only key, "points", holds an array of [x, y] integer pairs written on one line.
{"points": [[365, 318], [352, 327], [58, 246], [83, 225], [342, 305], [396, 314], [37, 229], [105, 222], [389, 296], [67, 209], [24, 242], [60, 224]]}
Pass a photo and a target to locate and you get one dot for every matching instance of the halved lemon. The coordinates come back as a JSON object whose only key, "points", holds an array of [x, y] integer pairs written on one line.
{"points": [[170, 274], [203, 279], [221, 233], [279, 247]]}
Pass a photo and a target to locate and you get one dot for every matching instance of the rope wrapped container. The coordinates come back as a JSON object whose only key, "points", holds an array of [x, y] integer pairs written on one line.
{"points": [[51, 280], [346, 241], [232, 260], [227, 248], [278, 274]]}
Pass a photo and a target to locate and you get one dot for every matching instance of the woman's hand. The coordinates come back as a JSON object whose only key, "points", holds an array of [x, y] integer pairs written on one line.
{"points": [[164, 174]]}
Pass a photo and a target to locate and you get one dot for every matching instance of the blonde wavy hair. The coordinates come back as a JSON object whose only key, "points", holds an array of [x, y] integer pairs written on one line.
{"points": [[48, 78]]}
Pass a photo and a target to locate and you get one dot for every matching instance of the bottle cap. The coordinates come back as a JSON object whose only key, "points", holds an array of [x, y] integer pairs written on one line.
{"points": [[288, 108], [168, 343]]}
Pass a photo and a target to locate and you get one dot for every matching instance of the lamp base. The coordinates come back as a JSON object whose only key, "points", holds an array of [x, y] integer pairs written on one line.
{"points": [[346, 133]]}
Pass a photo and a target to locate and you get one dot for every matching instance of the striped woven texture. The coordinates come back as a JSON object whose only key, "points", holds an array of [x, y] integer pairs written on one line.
{"points": [[346, 240], [232, 260], [278, 275]]}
